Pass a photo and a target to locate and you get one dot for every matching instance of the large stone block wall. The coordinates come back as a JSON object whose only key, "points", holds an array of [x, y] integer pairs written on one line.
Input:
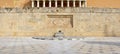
{"points": [[72, 21]]}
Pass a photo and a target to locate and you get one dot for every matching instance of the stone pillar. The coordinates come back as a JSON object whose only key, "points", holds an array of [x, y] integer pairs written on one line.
{"points": [[73, 3], [49, 3], [61, 3], [32, 3], [38, 3], [68, 4], [55, 3], [79, 3], [43, 3]]}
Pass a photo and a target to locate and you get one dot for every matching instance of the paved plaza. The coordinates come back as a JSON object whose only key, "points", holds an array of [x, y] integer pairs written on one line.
{"points": [[28, 45]]}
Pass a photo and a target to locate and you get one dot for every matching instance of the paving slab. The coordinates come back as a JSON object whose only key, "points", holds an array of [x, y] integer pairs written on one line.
{"points": [[28, 45]]}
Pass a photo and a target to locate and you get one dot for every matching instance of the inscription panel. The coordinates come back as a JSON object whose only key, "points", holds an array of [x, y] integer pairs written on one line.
{"points": [[60, 21]]}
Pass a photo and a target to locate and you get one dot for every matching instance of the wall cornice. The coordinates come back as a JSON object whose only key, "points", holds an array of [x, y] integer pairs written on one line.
{"points": [[59, 10]]}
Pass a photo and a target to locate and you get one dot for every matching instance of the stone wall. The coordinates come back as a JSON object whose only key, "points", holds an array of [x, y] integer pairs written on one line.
{"points": [[103, 3], [72, 21], [14, 3]]}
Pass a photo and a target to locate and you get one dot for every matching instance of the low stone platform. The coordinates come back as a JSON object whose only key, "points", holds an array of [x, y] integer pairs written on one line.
{"points": [[88, 45]]}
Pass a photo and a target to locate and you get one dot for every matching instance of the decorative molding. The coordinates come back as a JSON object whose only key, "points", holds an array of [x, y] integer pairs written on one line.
{"points": [[59, 10]]}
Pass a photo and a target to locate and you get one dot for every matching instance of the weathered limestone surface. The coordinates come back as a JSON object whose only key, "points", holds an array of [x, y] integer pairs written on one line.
{"points": [[71, 21]]}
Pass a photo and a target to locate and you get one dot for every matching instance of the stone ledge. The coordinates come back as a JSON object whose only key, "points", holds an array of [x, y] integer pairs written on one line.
{"points": [[59, 10], [54, 38]]}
